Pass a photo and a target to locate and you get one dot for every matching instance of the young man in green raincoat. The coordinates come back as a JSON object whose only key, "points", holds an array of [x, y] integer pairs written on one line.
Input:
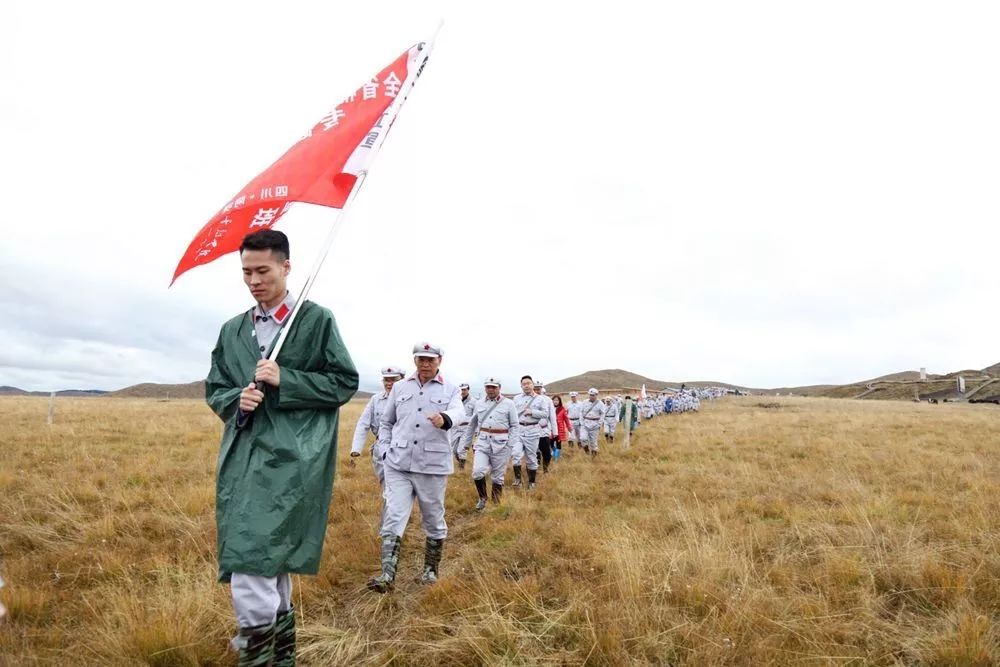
{"points": [[278, 450]]}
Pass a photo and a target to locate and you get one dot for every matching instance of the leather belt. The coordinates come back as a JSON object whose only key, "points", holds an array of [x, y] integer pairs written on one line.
{"points": [[495, 431], [528, 423], [594, 419]]}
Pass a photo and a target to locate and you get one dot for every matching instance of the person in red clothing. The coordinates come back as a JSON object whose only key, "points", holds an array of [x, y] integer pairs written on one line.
{"points": [[563, 425]]}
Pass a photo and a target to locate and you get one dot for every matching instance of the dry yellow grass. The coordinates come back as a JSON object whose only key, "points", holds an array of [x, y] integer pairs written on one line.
{"points": [[811, 531]]}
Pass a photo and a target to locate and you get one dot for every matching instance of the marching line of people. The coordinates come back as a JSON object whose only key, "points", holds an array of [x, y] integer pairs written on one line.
{"points": [[522, 433], [277, 455]]}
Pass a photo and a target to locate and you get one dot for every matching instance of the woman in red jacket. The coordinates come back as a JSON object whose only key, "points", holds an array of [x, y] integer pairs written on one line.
{"points": [[562, 423]]}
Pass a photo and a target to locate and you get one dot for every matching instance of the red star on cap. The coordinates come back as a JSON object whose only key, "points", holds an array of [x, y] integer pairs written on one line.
{"points": [[426, 347]]}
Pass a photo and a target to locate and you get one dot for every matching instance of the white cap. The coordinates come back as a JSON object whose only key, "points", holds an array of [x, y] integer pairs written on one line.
{"points": [[592, 391], [392, 371], [573, 393], [491, 382], [426, 349], [464, 385]]}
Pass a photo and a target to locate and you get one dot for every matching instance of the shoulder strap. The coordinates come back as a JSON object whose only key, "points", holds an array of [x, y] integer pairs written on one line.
{"points": [[496, 404]]}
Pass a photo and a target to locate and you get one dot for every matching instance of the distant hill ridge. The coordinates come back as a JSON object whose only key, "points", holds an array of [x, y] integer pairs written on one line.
{"points": [[14, 391], [616, 378]]}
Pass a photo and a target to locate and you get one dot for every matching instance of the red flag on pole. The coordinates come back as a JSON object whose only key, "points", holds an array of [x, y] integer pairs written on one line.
{"points": [[321, 168]]}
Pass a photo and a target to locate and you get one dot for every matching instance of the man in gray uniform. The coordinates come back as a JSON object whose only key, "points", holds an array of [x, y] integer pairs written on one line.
{"points": [[413, 436], [495, 427], [573, 412], [531, 409], [458, 431], [548, 427], [369, 423], [611, 419], [591, 417]]}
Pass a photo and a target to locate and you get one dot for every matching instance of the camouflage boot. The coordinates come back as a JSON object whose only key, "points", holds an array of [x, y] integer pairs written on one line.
{"points": [[432, 559], [390, 559], [256, 645], [284, 639]]}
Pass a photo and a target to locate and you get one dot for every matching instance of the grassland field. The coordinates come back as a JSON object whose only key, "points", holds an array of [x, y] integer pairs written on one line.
{"points": [[760, 531]]}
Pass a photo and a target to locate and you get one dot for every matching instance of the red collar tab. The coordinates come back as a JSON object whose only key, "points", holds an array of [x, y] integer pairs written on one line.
{"points": [[281, 313]]}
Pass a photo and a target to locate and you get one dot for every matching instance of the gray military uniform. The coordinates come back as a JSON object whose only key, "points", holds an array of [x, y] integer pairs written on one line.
{"points": [[496, 430], [531, 410], [418, 457], [369, 423], [573, 412], [611, 414], [457, 431], [591, 417]]}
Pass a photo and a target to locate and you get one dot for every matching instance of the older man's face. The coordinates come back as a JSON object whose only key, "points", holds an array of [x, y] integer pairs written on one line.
{"points": [[389, 381], [427, 367]]}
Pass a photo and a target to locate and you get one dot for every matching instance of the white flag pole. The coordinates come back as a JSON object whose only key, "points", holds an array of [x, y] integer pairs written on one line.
{"points": [[390, 116]]}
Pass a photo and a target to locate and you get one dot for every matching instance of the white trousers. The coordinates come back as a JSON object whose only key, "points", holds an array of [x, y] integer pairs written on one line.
{"points": [[257, 600], [487, 462], [401, 489], [609, 427], [527, 448], [574, 432], [379, 469], [456, 434], [589, 430]]}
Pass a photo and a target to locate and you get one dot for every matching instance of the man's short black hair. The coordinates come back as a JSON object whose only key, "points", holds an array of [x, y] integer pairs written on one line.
{"points": [[267, 239], [527, 377]]}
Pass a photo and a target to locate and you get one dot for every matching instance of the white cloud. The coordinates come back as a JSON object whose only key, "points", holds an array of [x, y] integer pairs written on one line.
{"points": [[765, 193]]}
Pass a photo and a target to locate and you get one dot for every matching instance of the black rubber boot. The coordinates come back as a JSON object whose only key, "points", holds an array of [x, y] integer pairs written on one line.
{"points": [[432, 560], [497, 493], [390, 560], [284, 639], [517, 475], [256, 645], [481, 488], [531, 478]]}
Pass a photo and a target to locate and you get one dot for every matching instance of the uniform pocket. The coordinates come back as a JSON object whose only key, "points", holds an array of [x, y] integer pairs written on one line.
{"points": [[437, 447]]}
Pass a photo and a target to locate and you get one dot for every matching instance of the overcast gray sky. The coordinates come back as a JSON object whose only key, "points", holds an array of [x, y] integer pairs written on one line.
{"points": [[765, 193]]}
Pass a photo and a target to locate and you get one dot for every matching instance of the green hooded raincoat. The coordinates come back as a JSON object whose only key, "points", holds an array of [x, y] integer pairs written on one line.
{"points": [[275, 474]]}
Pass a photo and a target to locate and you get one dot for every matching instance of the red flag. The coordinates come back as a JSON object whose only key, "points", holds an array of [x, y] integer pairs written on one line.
{"points": [[321, 168]]}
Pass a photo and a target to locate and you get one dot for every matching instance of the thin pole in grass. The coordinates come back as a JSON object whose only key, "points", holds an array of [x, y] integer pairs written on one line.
{"points": [[52, 408]]}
